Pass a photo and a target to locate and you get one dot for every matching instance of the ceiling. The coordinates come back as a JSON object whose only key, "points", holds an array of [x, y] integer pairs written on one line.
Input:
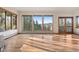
{"points": [[46, 9]]}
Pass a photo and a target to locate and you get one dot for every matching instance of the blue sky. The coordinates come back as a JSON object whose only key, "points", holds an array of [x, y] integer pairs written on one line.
{"points": [[47, 19], [38, 18]]}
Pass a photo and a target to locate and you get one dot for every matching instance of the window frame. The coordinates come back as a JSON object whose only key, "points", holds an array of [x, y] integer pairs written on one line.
{"points": [[42, 28], [11, 14], [14, 23], [2, 11], [24, 23], [77, 26]]}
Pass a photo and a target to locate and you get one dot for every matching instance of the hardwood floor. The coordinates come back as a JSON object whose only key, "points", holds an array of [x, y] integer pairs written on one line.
{"points": [[42, 43]]}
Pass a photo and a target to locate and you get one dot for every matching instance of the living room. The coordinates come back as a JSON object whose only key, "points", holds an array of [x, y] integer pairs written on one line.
{"points": [[48, 23]]}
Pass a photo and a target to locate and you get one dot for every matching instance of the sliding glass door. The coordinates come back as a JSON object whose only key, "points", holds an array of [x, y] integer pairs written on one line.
{"points": [[38, 23]]}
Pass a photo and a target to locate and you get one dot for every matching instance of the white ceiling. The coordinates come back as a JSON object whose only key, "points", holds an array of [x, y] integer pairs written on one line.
{"points": [[47, 9]]}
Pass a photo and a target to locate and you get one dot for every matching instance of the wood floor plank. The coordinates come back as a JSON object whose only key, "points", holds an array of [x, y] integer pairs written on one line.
{"points": [[42, 42]]}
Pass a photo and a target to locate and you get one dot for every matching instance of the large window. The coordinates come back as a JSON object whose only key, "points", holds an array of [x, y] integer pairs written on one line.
{"points": [[37, 23], [27, 23], [37, 20], [77, 21], [8, 21], [48, 23], [2, 20], [14, 22]]}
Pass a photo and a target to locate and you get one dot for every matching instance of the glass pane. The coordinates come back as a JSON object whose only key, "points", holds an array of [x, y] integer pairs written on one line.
{"points": [[47, 23], [37, 20], [61, 28], [68, 29], [61, 24], [77, 21], [27, 23], [68, 21], [8, 21], [61, 21], [14, 22], [2, 21], [68, 24]]}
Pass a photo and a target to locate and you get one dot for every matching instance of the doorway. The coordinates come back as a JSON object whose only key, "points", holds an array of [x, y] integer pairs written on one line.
{"points": [[65, 24]]}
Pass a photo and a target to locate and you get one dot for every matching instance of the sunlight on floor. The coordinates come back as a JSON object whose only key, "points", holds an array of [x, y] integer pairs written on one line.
{"points": [[42, 43]]}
